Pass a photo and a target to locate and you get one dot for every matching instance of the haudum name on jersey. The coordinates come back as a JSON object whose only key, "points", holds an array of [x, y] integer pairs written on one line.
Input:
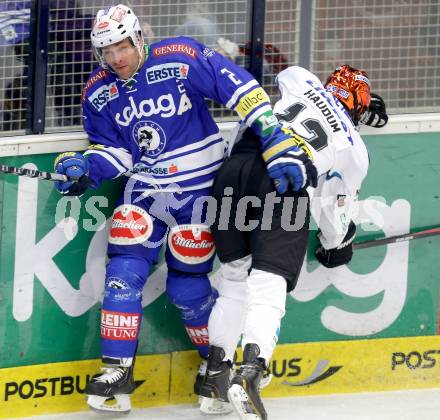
{"points": [[325, 110]]}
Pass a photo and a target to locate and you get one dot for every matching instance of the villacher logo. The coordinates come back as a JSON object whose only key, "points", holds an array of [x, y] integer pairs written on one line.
{"points": [[191, 244]]}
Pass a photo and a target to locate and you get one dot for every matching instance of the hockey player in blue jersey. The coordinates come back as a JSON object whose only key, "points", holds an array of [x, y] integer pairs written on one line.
{"points": [[145, 115]]}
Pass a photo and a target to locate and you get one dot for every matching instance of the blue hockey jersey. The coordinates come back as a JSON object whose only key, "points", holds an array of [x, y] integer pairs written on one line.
{"points": [[158, 128]]}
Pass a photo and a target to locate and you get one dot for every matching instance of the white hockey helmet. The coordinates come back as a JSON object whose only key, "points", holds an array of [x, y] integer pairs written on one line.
{"points": [[112, 25]]}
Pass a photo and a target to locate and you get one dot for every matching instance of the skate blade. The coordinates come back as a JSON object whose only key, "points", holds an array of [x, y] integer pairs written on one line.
{"points": [[213, 406], [119, 404], [242, 406]]}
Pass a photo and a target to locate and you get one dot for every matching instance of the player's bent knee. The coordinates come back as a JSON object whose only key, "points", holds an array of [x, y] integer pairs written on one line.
{"points": [[126, 272], [232, 289], [236, 270], [267, 289], [192, 294]]}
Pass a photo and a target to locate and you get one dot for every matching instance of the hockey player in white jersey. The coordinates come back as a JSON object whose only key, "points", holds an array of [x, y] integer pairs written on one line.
{"points": [[328, 119], [259, 266], [146, 117]]}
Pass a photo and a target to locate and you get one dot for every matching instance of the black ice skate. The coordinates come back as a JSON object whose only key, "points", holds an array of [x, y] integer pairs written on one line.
{"points": [[200, 378], [110, 390], [214, 390], [244, 393]]}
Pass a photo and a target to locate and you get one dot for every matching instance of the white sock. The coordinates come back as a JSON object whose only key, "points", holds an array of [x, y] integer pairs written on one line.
{"points": [[226, 321], [266, 308]]}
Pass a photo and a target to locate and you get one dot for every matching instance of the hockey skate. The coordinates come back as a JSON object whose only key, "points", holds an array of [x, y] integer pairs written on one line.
{"points": [[214, 390], [244, 393], [110, 390], [200, 378], [266, 378]]}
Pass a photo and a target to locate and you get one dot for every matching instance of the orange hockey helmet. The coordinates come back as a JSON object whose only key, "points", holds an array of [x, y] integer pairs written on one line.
{"points": [[352, 88]]}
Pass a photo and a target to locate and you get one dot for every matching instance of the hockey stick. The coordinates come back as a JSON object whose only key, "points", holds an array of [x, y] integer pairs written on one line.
{"points": [[397, 238], [33, 173]]}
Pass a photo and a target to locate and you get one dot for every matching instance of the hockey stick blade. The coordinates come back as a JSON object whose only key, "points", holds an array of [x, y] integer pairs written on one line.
{"points": [[397, 238], [34, 173]]}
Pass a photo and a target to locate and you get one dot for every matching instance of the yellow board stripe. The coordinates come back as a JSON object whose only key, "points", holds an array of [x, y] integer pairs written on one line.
{"points": [[355, 366], [298, 369], [336, 367], [59, 387]]}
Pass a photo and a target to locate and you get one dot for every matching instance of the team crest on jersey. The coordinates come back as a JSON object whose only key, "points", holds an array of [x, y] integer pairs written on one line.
{"points": [[131, 225], [149, 137], [191, 244]]}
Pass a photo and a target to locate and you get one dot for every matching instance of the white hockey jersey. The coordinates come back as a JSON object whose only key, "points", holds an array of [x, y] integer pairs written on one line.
{"points": [[340, 155]]}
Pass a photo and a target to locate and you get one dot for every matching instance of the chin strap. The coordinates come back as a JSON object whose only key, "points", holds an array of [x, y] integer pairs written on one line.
{"points": [[143, 54]]}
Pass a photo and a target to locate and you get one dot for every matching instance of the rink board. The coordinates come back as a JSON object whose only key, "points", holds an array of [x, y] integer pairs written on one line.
{"points": [[53, 263], [59, 387], [298, 369]]}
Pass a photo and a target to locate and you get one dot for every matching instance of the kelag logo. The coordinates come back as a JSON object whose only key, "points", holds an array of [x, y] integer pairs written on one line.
{"points": [[50, 387], [415, 360], [282, 368]]}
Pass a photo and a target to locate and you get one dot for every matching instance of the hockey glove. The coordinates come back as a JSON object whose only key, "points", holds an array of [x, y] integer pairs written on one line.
{"points": [[340, 255], [375, 115], [288, 162], [72, 164]]}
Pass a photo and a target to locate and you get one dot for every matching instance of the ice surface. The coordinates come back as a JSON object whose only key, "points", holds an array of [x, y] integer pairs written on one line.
{"points": [[391, 405]]}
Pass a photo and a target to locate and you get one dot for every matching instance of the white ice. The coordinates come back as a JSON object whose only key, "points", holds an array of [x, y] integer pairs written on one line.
{"points": [[391, 405]]}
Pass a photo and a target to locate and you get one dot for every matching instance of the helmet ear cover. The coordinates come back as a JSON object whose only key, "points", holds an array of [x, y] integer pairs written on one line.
{"points": [[113, 25], [352, 87]]}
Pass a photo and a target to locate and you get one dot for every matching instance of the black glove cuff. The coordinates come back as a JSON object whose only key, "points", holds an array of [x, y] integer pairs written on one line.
{"points": [[374, 119], [376, 114], [79, 187], [349, 236], [340, 255]]}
